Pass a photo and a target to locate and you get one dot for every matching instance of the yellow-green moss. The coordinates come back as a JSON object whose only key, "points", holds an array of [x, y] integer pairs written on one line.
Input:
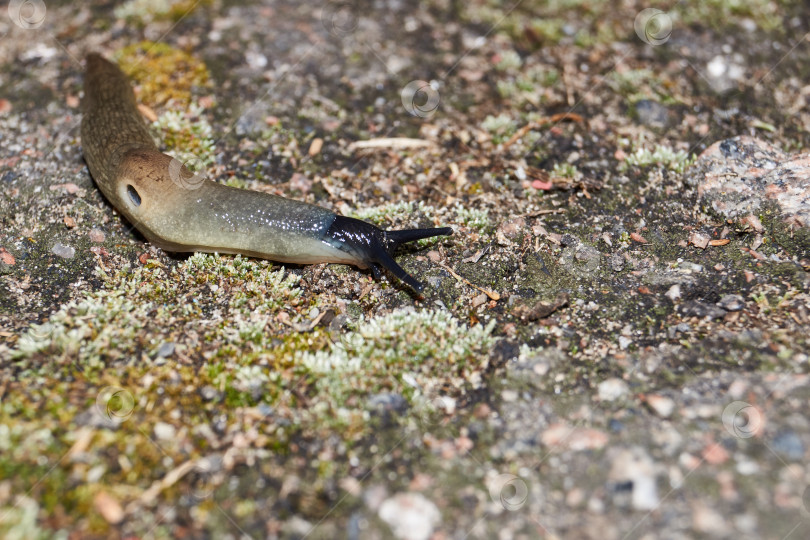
{"points": [[162, 72]]}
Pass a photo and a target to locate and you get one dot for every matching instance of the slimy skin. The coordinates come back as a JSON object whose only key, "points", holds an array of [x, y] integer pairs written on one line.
{"points": [[178, 211]]}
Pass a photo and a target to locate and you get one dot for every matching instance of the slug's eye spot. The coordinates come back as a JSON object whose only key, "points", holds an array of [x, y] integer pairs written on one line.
{"points": [[133, 196]]}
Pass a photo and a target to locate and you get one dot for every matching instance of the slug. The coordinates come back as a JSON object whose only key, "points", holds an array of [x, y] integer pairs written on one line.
{"points": [[181, 212]]}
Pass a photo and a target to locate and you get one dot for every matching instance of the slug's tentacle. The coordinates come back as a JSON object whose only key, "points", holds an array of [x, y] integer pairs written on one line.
{"points": [[375, 246], [180, 211]]}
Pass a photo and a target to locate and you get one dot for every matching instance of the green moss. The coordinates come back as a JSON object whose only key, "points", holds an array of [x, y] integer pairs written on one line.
{"points": [[473, 217], [137, 299], [187, 136], [387, 214], [297, 383], [565, 170], [767, 14], [501, 127], [509, 60], [660, 155]]}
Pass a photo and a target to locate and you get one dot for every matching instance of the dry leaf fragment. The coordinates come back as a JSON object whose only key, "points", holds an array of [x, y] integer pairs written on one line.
{"points": [[315, 147], [699, 240], [638, 238]]}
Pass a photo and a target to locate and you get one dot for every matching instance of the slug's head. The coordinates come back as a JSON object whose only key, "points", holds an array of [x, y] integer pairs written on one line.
{"points": [[146, 189], [373, 247]]}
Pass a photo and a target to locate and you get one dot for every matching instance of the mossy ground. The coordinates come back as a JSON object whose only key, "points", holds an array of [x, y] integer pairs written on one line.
{"points": [[211, 395]]}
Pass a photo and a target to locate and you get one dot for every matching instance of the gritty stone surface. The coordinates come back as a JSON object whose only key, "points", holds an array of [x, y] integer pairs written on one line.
{"points": [[600, 352]]}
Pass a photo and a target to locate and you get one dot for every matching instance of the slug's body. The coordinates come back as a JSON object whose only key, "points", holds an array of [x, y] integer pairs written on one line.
{"points": [[178, 211]]}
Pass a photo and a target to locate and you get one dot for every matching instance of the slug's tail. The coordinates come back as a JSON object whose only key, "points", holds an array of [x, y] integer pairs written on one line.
{"points": [[374, 247]]}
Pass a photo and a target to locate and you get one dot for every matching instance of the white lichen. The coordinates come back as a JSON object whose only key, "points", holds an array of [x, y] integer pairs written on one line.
{"points": [[663, 156], [401, 336]]}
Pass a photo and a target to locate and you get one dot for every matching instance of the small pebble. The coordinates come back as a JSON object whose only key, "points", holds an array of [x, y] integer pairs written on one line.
{"points": [[661, 405], [6, 257], [634, 467], [612, 389], [434, 256], [683, 328], [315, 146], [265, 409], [61, 250], [732, 302], [109, 507], [709, 521], [651, 113], [209, 393], [674, 292], [561, 436], [166, 349], [510, 230], [410, 515], [96, 235], [696, 308], [387, 402], [164, 431]]}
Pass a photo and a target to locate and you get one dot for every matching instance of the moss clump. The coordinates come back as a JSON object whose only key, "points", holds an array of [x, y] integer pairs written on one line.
{"points": [[501, 127], [235, 316], [164, 73], [565, 170], [152, 300], [476, 218], [418, 354], [661, 155], [187, 136], [387, 214]]}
